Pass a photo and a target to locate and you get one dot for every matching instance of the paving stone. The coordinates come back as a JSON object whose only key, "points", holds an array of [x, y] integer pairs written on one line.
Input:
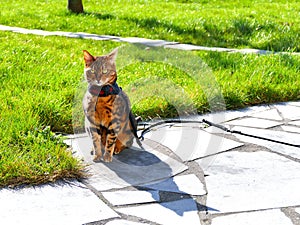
{"points": [[254, 51], [245, 181], [123, 222], [288, 111], [189, 47], [190, 144], [52, 204], [291, 129], [131, 197], [274, 217], [228, 115], [148, 42], [187, 184], [168, 213], [294, 103], [291, 138], [254, 122], [131, 167], [296, 123], [271, 114]]}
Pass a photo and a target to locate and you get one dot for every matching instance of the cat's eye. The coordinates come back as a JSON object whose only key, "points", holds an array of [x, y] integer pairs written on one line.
{"points": [[92, 71], [104, 70]]}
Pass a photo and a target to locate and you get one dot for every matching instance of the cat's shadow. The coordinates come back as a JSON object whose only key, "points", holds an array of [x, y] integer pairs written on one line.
{"points": [[149, 171]]}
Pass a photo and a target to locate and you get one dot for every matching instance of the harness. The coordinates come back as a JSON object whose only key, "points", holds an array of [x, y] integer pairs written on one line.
{"points": [[104, 91], [114, 89]]}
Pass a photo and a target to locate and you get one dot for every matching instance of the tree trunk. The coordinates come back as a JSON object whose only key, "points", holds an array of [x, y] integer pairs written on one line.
{"points": [[75, 6]]}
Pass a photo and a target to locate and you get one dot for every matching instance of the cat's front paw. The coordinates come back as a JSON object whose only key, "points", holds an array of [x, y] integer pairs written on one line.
{"points": [[97, 158], [107, 157]]}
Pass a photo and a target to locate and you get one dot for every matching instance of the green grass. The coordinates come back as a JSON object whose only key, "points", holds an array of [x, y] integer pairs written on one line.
{"points": [[38, 80], [40, 76], [271, 25]]}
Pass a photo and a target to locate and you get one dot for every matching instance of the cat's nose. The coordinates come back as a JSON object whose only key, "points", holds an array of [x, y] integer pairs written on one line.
{"points": [[98, 82]]}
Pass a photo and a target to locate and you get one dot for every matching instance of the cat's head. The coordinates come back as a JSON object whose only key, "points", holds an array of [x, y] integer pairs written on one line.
{"points": [[100, 70]]}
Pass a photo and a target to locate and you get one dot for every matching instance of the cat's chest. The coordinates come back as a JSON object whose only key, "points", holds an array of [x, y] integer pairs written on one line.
{"points": [[104, 108]]}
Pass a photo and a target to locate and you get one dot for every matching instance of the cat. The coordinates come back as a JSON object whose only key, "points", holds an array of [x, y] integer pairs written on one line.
{"points": [[108, 116]]}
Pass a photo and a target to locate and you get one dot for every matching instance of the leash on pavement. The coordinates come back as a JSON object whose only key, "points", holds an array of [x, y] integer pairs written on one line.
{"points": [[248, 135], [170, 121], [204, 121]]}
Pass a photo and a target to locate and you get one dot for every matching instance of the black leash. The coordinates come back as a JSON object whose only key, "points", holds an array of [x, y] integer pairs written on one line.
{"points": [[148, 129], [248, 135]]}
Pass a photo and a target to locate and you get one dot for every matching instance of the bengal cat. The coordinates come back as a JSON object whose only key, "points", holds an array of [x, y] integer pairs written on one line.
{"points": [[109, 120]]}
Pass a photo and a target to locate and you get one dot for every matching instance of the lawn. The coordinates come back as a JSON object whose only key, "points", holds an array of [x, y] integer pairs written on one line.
{"points": [[270, 25], [40, 76]]}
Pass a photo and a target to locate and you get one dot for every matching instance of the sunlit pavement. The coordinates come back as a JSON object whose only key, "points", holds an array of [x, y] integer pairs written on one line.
{"points": [[187, 174]]}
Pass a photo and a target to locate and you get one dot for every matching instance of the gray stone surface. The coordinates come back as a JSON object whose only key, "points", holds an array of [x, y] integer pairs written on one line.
{"points": [[52, 204], [271, 114], [291, 129], [244, 181], [290, 112], [186, 184], [147, 186], [131, 197], [169, 213], [123, 222], [190, 144], [254, 122], [130, 168], [274, 217], [296, 123], [291, 138]]}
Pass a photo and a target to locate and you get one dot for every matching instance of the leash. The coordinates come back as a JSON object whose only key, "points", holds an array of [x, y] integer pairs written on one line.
{"points": [[149, 128], [248, 135]]}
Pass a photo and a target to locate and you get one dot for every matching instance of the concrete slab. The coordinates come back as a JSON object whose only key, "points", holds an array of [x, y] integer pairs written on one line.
{"points": [[271, 114], [169, 213], [296, 103], [254, 122], [123, 222], [228, 115], [148, 42], [190, 144], [131, 197], [131, 167], [189, 47], [288, 111], [52, 204], [274, 217], [292, 129], [296, 123], [245, 181], [254, 51], [186, 184], [292, 138]]}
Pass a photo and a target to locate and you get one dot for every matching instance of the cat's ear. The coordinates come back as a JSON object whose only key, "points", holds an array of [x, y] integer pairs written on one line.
{"points": [[113, 55], [88, 58]]}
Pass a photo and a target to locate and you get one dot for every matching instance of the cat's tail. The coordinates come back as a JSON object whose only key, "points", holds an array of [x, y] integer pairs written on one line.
{"points": [[134, 121]]}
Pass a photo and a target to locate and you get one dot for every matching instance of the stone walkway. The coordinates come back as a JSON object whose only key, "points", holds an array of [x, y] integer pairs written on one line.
{"points": [[187, 174], [135, 40]]}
